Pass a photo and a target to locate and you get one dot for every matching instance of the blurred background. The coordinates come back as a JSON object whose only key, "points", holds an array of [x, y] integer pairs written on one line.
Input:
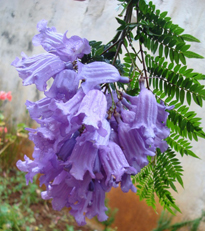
{"points": [[94, 20]]}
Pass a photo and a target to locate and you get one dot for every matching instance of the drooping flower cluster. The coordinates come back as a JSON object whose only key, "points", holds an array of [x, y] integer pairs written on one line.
{"points": [[91, 138]]}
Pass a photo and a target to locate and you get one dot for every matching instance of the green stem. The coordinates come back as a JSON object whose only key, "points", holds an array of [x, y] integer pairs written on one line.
{"points": [[5, 147], [130, 44], [109, 47], [127, 19], [142, 55], [110, 91], [133, 62]]}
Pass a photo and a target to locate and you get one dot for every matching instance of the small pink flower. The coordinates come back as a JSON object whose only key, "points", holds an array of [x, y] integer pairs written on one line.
{"points": [[9, 96], [5, 130], [2, 95]]}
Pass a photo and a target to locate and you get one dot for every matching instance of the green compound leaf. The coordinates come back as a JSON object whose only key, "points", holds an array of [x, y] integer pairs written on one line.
{"points": [[184, 122], [181, 145], [161, 173]]}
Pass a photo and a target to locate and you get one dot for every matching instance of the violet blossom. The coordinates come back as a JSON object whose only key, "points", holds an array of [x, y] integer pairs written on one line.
{"points": [[88, 140]]}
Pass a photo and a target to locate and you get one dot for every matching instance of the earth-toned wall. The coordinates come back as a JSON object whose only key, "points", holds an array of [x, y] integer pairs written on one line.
{"points": [[95, 20]]}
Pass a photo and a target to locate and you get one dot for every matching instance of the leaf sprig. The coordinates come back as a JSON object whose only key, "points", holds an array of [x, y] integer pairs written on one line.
{"points": [[160, 58]]}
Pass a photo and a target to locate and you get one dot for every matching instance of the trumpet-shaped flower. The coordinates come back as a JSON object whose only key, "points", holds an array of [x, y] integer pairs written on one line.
{"points": [[68, 49], [96, 73], [64, 87], [38, 69]]}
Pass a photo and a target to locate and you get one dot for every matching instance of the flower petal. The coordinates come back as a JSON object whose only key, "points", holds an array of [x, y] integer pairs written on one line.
{"points": [[92, 110], [64, 87], [38, 69], [133, 145], [96, 73], [82, 160], [127, 184], [97, 207], [114, 162], [68, 49], [39, 109]]}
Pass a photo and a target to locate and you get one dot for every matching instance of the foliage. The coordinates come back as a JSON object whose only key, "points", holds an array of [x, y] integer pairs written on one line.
{"points": [[158, 177], [8, 218], [13, 208], [29, 195], [164, 223], [157, 50]]}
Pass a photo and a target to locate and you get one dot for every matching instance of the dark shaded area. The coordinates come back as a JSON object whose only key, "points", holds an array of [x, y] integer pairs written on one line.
{"points": [[10, 38]]}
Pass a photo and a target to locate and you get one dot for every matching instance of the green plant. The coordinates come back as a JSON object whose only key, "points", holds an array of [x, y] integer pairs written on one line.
{"points": [[28, 194], [69, 228], [160, 59], [12, 206], [165, 223], [9, 219]]}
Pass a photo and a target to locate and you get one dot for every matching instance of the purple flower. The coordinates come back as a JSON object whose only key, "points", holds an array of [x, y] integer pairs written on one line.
{"points": [[38, 69], [145, 112], [82, 159], [28, 166], [141, 127], [59, 191], [45, 163], [96, 73], [85, 197], [134, 146], [39, 109], [127, 184], [42, 137], [64, 112], [97, 138], [114, 162], [64, 87], [67, 147], [92, 111], [97, 206], [68, 49], [90, 137]]}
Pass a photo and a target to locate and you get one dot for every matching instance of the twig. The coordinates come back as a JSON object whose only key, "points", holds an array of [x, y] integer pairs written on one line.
{"points": [[142, 55], [5, 147]]}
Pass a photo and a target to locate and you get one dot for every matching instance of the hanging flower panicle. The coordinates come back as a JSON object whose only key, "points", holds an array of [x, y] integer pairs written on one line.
{"points": [[85, 146]]}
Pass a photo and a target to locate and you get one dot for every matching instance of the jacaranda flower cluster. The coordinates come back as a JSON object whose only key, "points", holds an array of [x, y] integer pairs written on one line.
{"points": [[91, 138]]}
